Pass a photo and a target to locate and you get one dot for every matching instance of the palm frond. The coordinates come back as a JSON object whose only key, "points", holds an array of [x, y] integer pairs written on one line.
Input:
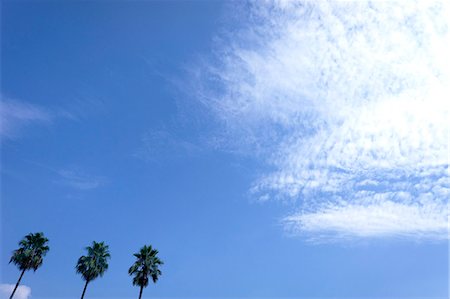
{"points": [[31, 252], [146, 266], [95, 263]]}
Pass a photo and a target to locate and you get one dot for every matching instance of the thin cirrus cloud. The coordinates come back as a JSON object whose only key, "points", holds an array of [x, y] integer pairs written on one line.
{"points": [[22, 292], [80, 180], [15, 115], [347, 102]]}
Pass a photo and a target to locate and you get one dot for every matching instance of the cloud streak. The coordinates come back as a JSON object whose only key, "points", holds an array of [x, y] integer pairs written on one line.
{"points": [[79, 180], [15, 115], [347, 102]]}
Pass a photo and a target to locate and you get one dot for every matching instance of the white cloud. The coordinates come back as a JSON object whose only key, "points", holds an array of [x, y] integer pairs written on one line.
{"points": [[15, 115], [385, 218], [348, 101], [77, 179], [22, 292]]}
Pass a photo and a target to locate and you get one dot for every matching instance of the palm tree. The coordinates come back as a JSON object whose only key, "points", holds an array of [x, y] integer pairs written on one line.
{"points": [[94, 264], [146, 265], [30, 254]]}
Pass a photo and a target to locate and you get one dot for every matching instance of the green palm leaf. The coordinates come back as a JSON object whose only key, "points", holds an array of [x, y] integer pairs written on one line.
{"points": [[146, 267], [30, 254], [94, 264]]}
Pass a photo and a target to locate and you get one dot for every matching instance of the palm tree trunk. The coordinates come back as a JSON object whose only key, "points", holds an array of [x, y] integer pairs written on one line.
{"points": [[84, 290], [140, 292], [17, 284]]}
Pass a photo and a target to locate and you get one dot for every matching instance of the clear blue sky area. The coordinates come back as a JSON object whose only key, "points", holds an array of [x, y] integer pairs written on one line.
{"points": [[118, 154]]}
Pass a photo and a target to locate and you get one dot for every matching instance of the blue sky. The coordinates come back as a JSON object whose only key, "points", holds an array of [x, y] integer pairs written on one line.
{"points": [[275, 149]]}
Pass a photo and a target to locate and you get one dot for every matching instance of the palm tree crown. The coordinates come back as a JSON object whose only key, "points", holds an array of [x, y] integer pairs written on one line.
{"points": [[31, 252], [146, 265], [95, 263], [29, 255]]}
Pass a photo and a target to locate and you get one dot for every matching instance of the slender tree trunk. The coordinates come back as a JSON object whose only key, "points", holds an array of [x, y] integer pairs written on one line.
{"points": [[140, 292], [84, 290], [17, 284]]}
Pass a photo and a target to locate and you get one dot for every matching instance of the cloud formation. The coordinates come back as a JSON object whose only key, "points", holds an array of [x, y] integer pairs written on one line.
{"points": [[80, 180], [15, 115], [348, 103], [22, 292]]}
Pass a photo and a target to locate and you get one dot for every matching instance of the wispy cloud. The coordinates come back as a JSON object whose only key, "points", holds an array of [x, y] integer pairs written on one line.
{"points": [[15, 115], [348, 101], [80, 180], [22, 292]]}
